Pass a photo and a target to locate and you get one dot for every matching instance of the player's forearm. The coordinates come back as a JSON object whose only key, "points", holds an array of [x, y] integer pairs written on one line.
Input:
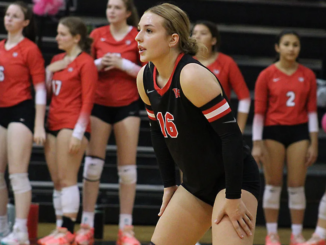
{"points": [[314, 139], [242, 120], [39, 115]]}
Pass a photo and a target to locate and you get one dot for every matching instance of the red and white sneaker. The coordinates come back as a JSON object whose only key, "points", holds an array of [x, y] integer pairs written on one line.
{"points": [[272, 239], [16, 237], [297, 240], [85, 235], [315, 240], [63, 237], [43, 240], [126, 236]]}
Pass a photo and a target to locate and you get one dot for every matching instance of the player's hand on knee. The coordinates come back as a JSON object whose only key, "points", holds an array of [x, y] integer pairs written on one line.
{"points": [[257, 153], [39, 135], [74, 145], [311, 156], [239, 215], [167, 195]]}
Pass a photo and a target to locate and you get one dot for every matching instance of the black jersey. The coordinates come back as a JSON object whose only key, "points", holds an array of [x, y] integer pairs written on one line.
{"points": [[192, 142]]}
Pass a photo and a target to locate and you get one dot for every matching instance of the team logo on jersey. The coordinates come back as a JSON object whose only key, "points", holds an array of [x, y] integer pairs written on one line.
{"points": [[301, 79], [14, 54], [176, 92], [103, 39], [128, 42], [216, 72], [70, 69], [276, 79]]}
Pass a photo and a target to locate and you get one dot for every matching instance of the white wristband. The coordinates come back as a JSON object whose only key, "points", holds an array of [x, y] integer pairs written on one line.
{"points": [[97, 62], [313, 122], [127, 65], [40, 94], [244, 105], [257, 127], [79, 131]]}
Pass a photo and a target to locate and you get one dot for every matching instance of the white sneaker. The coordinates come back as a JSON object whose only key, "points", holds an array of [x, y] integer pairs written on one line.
{"points": [[197, 243], [16, 237], [5, 232]]}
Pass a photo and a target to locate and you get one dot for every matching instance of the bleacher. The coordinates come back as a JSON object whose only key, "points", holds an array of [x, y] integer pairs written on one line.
{"points": [[248, 29]]}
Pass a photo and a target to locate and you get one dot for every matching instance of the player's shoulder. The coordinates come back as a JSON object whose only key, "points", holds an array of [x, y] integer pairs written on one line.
{"points": [[268, 71], [58, 57], [307, 71], [134, 31], [99, 31], [225, 58], [193, 74], [28, 45]]}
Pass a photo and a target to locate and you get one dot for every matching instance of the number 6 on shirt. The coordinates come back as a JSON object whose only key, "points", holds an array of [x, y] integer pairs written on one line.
{"points": [[167, 126]]}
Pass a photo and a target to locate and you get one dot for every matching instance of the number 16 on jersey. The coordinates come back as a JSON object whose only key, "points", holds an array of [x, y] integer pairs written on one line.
{"points": [[167, 125]]}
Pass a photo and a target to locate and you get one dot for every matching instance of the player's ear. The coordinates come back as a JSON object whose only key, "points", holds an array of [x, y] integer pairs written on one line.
{"points": [[26, 23], [174, 39], [77, 38], [214, 41], [277, 48]]}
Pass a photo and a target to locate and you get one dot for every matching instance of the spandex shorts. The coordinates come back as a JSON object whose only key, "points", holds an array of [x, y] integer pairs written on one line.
{"points": [[112, 115], [250, 182], [286, 134], [24, 113], [55, 133]]}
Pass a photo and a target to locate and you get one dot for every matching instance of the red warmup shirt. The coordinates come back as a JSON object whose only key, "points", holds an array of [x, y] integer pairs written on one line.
{"points": [[115, 87], [284, 99], [229, 75], [73, 91], [19, 66]]}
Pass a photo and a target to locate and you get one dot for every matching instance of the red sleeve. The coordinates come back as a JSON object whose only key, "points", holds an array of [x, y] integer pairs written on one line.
{"points": [[261, 94], [237, 81], [88, 83], [93, 49], [312, 100], [35, 63]]}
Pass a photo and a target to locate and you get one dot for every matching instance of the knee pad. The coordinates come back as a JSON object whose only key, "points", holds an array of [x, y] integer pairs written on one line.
{"points": [[70, 199], [93, 169], [271, 198], [297, 198], [20, 183], [2, 181], [57, 202], [127, 174], [322, 208]]}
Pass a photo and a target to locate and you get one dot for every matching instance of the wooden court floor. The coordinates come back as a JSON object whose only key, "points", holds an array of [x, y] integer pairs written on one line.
{"points": [[143, 233]]}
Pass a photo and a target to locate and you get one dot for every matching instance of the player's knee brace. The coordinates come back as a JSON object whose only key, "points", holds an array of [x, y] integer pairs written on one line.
{"points": [[2, 181], [297, 198], [57, 202], [20, 183], [322, 208], [93, 168], [271, 198], [70, 199], [127, 174]]}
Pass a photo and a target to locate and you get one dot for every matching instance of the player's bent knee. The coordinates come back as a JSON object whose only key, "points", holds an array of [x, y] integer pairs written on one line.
{"points": [[70, 199], [322, 208], [20, 183], [297, 198], [151, 243], [2, 181], [93, 169], [127, 174], [271, 198]]}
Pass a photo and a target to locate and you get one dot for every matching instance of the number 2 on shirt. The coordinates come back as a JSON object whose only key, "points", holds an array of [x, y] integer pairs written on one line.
{"points": [[2, 75], [290, 102], [167, 125]]}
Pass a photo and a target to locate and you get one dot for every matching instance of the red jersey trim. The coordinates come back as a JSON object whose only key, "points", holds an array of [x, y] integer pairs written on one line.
{"points": [[217, 111], [162, 91], [151, 114]]}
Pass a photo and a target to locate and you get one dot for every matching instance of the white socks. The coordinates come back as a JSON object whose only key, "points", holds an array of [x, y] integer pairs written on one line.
{"points": [[321, 232], [125, 219], [271, 228], [3, 222], [59, 222], [88, 219], [296, 229], [21, 224]]}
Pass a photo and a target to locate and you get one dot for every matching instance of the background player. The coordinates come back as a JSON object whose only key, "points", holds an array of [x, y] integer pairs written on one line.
{"points": [[190, 122], [223, 66], [116, 108], [285, 114], [68, 128], [20, 62]]}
